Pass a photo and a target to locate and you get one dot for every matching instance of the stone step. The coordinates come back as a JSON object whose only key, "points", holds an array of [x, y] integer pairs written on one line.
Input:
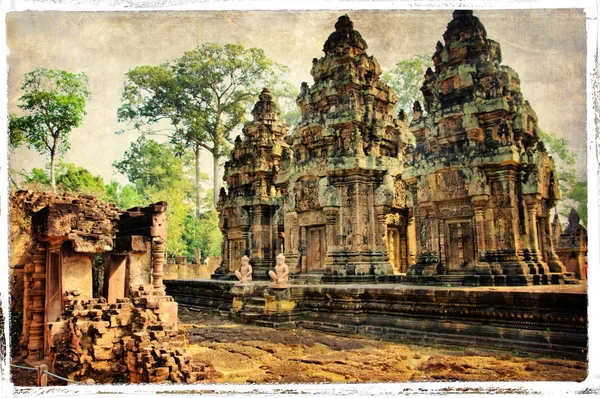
{"points": [[254, 308], [277, 325]]}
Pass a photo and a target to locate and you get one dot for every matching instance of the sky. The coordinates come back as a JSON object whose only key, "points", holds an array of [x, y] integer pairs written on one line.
{"points": [[546, 47]]}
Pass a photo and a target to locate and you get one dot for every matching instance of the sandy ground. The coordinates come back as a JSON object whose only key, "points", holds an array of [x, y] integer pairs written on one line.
{"points": [[252, 354]]}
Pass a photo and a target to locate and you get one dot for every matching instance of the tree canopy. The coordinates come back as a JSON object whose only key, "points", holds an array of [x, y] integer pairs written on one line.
{"points": [[53, 105], [70, 178], [200, 98], [406, 79], [158, 173], [572, 188]]}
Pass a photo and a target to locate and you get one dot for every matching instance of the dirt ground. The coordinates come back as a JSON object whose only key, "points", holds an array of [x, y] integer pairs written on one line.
{"points": [[253, 354]]}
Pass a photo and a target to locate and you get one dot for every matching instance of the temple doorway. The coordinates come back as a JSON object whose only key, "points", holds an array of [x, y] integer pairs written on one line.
{"points": [[237, 252], [460, 248], [54, 303], [316, 249], [397, 249]]}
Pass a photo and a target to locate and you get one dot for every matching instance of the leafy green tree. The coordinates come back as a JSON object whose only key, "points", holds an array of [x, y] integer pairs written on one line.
{"points": [[199, 99], [74, 179], [573, 190], [54, 104], [203, 233], [152, 166], [157, 173], [69, 178], [406, 79], [124, 196]]}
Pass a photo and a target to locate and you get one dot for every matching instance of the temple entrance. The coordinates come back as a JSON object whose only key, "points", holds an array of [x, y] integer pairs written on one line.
{"points": [[316, 249], [397, 249], [237, 252], [460, 249], [54, 304]]}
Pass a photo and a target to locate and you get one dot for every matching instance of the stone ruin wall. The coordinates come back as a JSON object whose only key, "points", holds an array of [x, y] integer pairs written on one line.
{"points": [[130, 334]]}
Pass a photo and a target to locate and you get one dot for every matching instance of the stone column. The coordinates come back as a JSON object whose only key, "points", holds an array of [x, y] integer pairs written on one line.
{"points": [[331, 218], [385, 267], [411, 239], [381, 229], [554, 263], [478, 203], [303, 252], [158, 260], [38, 305], [533, 232], [247, 243]]}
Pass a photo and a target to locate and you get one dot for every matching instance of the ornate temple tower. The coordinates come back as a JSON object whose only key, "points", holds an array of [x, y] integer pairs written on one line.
{"points": [[341, 187], [249, 218], [481, 178]]}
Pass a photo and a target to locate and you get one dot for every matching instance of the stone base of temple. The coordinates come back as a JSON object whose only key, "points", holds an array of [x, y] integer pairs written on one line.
{"points": [[550, 320], [494, 269], [489, 280]]}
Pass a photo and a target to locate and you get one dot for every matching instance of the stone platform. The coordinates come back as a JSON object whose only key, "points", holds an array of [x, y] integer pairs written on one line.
{"points": [[549, 320]]}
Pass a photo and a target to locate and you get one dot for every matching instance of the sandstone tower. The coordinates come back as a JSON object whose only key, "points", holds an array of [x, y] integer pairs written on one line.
{"points": [[248, 210], [342, 196], [482, 181]]}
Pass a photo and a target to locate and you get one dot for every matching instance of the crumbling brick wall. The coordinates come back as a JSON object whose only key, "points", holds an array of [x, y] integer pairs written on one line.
{"points": [[128, 341], [131, 334]]}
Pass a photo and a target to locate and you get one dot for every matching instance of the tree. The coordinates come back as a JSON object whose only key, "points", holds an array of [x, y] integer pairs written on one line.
{"points": [[203, 233], [157, 173], [124, 196], [69, 178], [54, 103], [199, 99], [406, 79], [572, 188]]}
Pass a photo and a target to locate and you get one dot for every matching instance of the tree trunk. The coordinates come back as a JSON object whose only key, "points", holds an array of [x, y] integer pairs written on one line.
{"points": [[197, 150], [52, 172], [216, 184]]}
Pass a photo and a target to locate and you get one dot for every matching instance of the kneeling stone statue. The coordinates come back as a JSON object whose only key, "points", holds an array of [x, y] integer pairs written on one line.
{"points": [[280, 276], [244, 275]]}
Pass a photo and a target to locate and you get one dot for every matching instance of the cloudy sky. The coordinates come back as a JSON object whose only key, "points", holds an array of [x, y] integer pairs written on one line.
{"points": [[547, 47]]}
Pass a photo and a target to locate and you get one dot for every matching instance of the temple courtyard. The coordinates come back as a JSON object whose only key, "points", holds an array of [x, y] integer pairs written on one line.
{"points": [[237, 353]]}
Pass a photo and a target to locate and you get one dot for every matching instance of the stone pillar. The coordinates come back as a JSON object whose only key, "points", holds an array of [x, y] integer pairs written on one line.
{"points": [[158, 260], [331, 218], [381, 229], [411, 239], [532, 224], [38, 305], [554, 263], [114, 281], [303, 263], [385, 267], [247, 245], [478, 203]]}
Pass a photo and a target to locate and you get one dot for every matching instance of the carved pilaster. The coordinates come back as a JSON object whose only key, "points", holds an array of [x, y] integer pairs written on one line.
{"points": [[478, 203], [411, 239], [158, 260], [37, 304]]}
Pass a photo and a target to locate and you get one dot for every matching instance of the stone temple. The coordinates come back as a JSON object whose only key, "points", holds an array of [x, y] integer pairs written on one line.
{"points": [[385, 224], [481, 180], [250, 211], [346, 198]]}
